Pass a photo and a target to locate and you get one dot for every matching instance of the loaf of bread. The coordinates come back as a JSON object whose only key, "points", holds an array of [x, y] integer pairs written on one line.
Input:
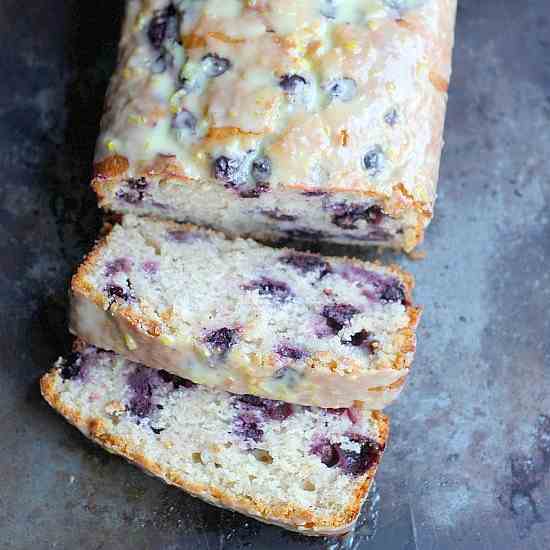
{"points": [[302, 468], [246, 318], [315, 120]]}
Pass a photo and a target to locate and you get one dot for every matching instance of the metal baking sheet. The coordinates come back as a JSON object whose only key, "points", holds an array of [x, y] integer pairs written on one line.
{"points": [[469, 459]]}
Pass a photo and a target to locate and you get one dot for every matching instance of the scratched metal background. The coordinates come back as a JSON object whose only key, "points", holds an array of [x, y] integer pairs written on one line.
{"points": [[469, 461]]}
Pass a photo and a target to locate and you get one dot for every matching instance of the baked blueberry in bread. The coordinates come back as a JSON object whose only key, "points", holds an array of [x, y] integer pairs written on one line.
{"points": [[303, 468], [246, 318], [321, 122]]}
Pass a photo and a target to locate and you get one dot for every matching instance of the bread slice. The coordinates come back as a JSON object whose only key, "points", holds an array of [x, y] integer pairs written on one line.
{"points": [[323, 122], [246, 318], [305, 469]]}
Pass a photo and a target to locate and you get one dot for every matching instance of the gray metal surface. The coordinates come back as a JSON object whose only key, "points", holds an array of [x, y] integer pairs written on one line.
{"points": [[468, 466]]}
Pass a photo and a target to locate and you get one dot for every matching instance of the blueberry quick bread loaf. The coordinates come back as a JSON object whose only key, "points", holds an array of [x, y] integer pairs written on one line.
{"points": [[313, 119], [303, 468], [246, 318]]}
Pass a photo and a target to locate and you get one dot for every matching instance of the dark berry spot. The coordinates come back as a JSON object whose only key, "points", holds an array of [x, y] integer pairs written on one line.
{"points": [[326, 451], [350, 461], [290, 353], [346, 216], [261, 169], [254, 192], [248, 426], [391, 117], [393, 292], [116, 291], [314, 193], [362, 339], [292, 83], [150, 267], [223, 339], [163, 26], [274, 410], [176, 381], [157, 430], [338, 315], [133, 192], [359, 462], [117, 266], [269, 287], [307, 263], [71, 366], [142, 381], [276, 214], [374, 160], [214, 65], [185, 120], [229, 170], [343, 89]]}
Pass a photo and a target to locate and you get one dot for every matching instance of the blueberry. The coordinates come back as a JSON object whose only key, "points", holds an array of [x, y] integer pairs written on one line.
{"points": [[142, 382], [261, 169], [223, 339], [71, 366], [229, 170], [307, 263], [176, 381], [163, 26], [274, 410], [276, 214], [248, 427], [134, 192], [374, 160], [214, 65], [292, 83], [393, 293], [338, 315], [359, 462], [279, 410], [343, 89], [391, 117], [327, 452], [290, 352], [268, 287], [254, 192], [362, 339], [185, 120], [346, 215], [116, 291], [351, 462], [314, 193]]}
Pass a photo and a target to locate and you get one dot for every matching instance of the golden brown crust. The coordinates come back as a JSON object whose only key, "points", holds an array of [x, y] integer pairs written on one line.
{"points": [[288, 516]]}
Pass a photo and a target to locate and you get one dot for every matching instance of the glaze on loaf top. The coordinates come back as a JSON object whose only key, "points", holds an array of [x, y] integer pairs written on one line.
{"points": [[313, 94]]}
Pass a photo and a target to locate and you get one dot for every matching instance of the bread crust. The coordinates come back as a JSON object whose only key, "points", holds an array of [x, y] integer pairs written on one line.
{"points": [[288, 516]]}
